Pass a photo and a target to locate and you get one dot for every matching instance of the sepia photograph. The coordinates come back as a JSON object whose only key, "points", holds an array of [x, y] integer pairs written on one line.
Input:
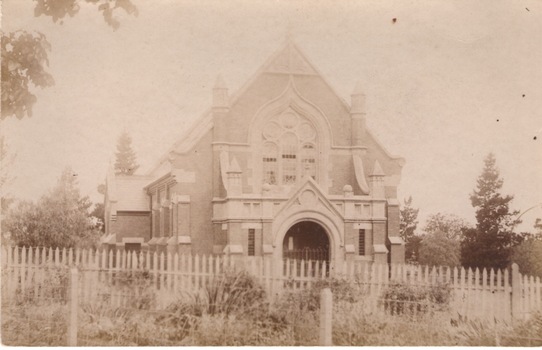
{"points": [[271, 173]]}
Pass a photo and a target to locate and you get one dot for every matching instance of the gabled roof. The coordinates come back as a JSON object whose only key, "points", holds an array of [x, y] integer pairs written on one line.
{"points": [[309, 183], [130, 195], [288, 59]]}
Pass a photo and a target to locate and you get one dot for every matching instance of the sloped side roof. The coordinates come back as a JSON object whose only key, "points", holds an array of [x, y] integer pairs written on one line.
{"points": [[288, 57], [130, 193]]}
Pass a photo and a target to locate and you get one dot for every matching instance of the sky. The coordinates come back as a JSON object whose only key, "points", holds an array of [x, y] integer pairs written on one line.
{"points": [[446, 83]]}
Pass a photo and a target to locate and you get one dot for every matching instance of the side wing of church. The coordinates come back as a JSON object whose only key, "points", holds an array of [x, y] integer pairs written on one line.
{"points": [[284, 168]]}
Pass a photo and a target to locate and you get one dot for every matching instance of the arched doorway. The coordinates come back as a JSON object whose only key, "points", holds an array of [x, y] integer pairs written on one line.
{"points": [[306, 240]]}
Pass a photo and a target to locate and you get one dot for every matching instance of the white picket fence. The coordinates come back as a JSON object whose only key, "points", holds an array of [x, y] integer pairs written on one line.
{"points": [[500, 294]]}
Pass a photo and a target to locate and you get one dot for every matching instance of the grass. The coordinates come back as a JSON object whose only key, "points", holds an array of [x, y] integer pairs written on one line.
{"points": [[232, 310]]}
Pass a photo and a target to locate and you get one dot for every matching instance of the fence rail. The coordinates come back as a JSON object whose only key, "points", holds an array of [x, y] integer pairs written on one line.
{"points": [[494, 293]]}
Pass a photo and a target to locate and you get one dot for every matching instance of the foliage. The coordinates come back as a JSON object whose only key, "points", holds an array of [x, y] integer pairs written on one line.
{"points": [[234, 292], [24, 60], [407, 229], [98, 213], [59, 219], [484, 333], [409, 220], [125, 163], [437, 249], [490, 244], [34, 325], [58, 9], [309, 299], [412, 249], [24, 54], [528, 255], [6, 159], [401, 296], [451, 225], [353, 326]]}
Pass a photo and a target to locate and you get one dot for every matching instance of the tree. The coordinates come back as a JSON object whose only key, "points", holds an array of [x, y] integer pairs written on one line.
{"points": [[24, 54], [490, 244], [6, 159], [407, 229], [59, 219], [441, 242], [437, 249], [125, 163], [24, 58], [451, 225], [58, 9], [98, 213], [528, 254]]}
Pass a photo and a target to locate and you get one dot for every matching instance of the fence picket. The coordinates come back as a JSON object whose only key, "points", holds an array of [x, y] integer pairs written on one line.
{"points": [[532, 295], [176, 272], [189, 273], [162, 271], [538, 292], [478, 293], [169, 271], [183, 282], [507, 301], [23, 269]]}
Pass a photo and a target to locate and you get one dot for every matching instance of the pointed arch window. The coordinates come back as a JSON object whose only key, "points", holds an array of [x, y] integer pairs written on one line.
{"points": [[289, 149], [308, 160], [270, 164]]}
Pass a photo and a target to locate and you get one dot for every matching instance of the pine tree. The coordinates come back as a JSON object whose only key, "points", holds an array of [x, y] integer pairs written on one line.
{"points": [[125, 163], [490, 243]]}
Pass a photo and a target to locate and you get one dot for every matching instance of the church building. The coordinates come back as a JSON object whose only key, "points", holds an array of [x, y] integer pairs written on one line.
{"points": [[284, 167]]}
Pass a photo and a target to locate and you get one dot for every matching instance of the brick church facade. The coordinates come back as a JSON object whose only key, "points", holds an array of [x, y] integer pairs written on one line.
{"points": [[282, 166]]}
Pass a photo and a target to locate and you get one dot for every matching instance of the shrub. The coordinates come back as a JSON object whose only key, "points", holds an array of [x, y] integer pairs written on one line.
{"points": [[231, 292], [399, 298], [309, 299], [138, 284]]}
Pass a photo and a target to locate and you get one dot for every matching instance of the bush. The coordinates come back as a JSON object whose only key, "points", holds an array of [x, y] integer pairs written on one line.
{"points": [[231, 292], [399, 298], [309, 299], [138, 284]]}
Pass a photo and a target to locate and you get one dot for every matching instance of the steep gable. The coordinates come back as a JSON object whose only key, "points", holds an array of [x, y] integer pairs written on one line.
{"points": [[268, 82]]}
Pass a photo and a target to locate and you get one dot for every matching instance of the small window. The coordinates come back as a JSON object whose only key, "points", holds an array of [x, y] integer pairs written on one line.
{"points": [[251, 241], [361, 242]]}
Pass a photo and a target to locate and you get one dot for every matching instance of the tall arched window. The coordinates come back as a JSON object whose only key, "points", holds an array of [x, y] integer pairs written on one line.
{"points": [[308, 160], [270, 164], [289, 149]]}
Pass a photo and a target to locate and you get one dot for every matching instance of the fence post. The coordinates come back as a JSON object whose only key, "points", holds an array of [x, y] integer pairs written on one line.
{"points": [[74, 306], [326, 306], [516, 292]]}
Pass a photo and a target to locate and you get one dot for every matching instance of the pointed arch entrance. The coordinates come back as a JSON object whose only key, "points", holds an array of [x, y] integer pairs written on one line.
{"points": [[306, 240]]}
